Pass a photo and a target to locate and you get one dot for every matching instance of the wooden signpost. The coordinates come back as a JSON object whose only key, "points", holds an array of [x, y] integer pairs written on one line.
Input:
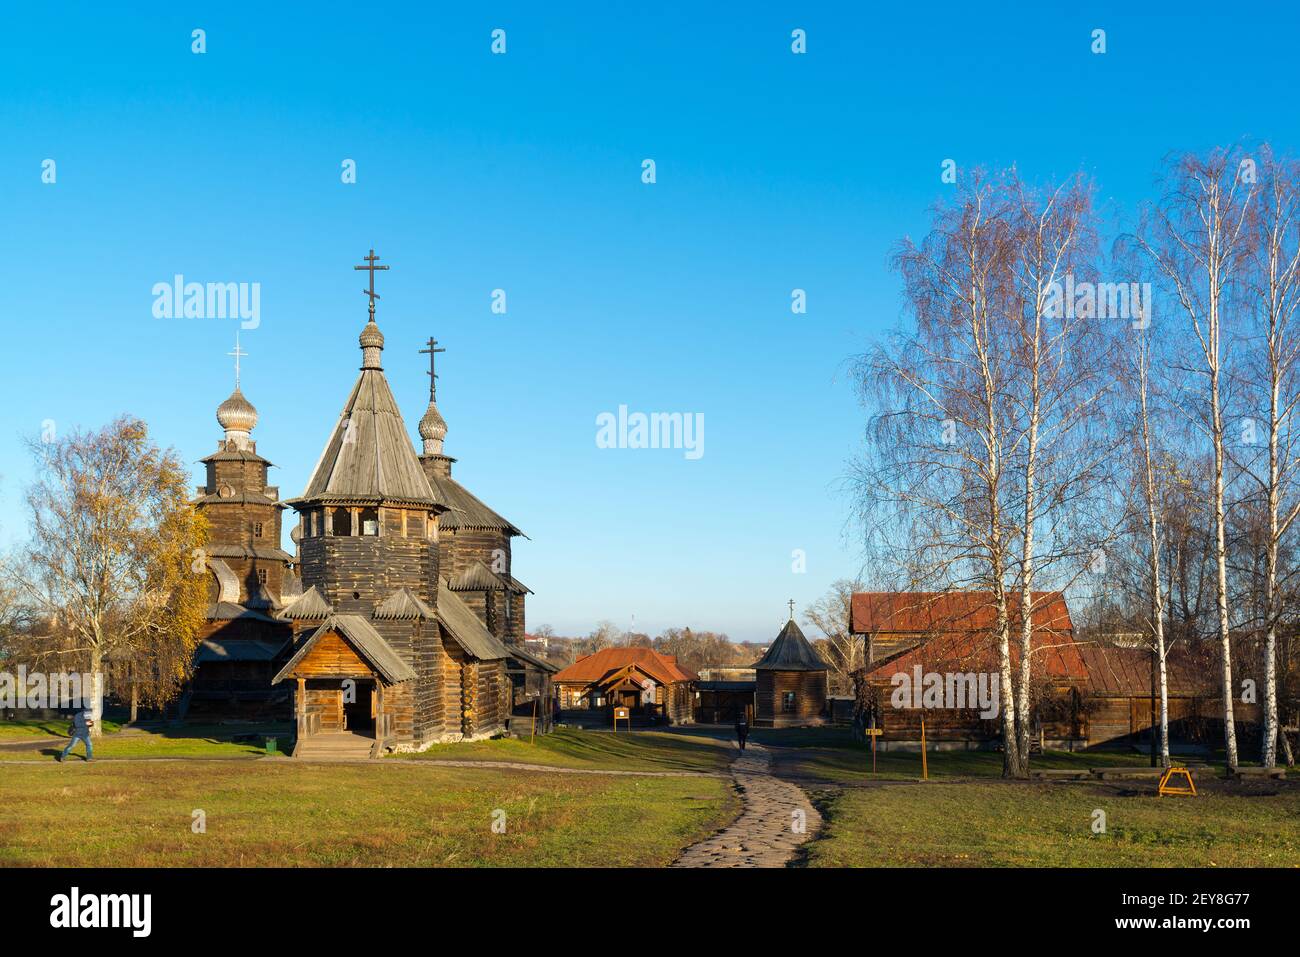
{"points": [[873, 733], [925, 767], [622, 714]]}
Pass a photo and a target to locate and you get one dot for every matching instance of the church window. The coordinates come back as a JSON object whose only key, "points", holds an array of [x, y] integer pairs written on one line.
{"points": [[261, 576], [787, 701], [370, 521], [257, 529], [342, 521]]}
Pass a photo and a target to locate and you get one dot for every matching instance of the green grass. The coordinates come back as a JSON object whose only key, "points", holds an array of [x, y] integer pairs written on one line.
{"points": [[853, 765], [20, 729], [602, 750], [277, 813], [181, 741], [1003, 824], [831, 755]]}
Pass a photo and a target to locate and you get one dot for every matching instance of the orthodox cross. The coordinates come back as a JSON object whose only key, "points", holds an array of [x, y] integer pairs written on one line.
{"points": [[238, 354], [791, 603], [370, 267], [432, 353]]}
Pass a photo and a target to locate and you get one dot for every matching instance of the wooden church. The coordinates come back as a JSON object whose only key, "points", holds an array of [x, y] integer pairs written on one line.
{"points": [[399, 623]]}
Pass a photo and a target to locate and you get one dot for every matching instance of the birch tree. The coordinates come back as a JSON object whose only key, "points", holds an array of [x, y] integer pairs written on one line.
{"points": [[1276, 290], [933, 488], [1198, 237], [1060, 350], [1152, 504]]}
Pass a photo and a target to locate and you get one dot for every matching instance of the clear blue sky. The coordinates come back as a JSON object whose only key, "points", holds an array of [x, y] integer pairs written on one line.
{"points": [[523, 172]]}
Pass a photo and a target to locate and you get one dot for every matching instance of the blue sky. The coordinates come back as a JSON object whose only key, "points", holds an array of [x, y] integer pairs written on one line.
{"points": [[522, 172]]}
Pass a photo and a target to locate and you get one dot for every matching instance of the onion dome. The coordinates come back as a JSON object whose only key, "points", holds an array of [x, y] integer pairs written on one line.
{"points": [[238, 417], [433, 429], [372, 343]]}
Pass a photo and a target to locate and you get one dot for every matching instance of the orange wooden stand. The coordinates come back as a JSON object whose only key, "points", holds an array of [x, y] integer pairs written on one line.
{"points": [[1167, 786]]}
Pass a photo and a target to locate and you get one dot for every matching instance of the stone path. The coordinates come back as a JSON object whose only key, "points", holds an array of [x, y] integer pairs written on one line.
{"points": [[768, 831]]}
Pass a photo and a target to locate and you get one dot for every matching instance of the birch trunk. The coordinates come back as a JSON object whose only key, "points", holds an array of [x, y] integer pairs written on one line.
{"points": [[1153, 530]]}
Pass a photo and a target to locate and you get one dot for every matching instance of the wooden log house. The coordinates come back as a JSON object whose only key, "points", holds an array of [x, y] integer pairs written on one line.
{"points": [[790, 682], [652, 686]]}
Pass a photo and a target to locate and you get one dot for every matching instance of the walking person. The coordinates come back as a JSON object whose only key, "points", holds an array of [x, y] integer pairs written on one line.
{"points": [[82, 722], [742, 729]]}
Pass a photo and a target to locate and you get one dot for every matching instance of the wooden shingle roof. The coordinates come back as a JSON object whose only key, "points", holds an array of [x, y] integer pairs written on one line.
{"points": [[369, 455], [790, 652], [468, 631], [368, 643], [466, 509], [309, 606], [405, 605]]}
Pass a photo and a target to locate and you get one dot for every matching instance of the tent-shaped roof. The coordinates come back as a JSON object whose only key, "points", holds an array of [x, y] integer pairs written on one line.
{"points": [[595, 667], [468, 631], [790, 652], [363, 638], [369, 455]]}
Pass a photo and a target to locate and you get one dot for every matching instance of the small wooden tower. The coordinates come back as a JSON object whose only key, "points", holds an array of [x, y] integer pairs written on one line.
{"points": [[790, 682]]}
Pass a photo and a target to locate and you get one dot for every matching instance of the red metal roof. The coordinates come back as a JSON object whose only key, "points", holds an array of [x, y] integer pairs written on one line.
{"points": [[1055, 655], [936, 613], [592, 668]]}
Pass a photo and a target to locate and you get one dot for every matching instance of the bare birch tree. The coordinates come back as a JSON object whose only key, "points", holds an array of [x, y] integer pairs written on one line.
{"points": [[933, 489], [1198, 236], [1276, 290], [1060, 353]]}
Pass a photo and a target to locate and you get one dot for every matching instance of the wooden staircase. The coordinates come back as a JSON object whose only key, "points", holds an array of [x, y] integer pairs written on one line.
{"points": [[334, 746]]}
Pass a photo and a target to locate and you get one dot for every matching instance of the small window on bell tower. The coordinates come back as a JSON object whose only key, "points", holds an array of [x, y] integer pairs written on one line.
{"points": [[257, 529], [370, 521]]}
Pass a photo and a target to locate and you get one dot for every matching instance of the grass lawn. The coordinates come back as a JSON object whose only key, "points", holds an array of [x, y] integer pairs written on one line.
{"points": [[853, 765], [978, 823], [19, 729], [603, 750], [395, 813], [183, 741], [830, 755]]}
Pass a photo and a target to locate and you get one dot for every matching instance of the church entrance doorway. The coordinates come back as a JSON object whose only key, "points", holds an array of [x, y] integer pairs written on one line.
{"points": [[359, 713]]}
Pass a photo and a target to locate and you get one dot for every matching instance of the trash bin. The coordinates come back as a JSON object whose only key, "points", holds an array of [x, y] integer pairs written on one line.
{"points": [[271, 745]]}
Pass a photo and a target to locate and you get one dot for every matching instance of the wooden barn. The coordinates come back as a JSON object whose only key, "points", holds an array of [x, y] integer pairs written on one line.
{"points": [[1121, 703], [911, 635], [1088, 694], [653, 686], [790, 683]]}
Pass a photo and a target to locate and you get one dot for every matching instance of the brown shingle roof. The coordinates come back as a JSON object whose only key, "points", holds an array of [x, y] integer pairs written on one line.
{"points": [[363, 638], [593, 668], [790, 652], [369, 453], [466, 509]]}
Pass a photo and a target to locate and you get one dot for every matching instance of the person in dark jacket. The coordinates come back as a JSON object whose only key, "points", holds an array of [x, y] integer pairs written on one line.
{"points": [[82, 722], [742, 729]]}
